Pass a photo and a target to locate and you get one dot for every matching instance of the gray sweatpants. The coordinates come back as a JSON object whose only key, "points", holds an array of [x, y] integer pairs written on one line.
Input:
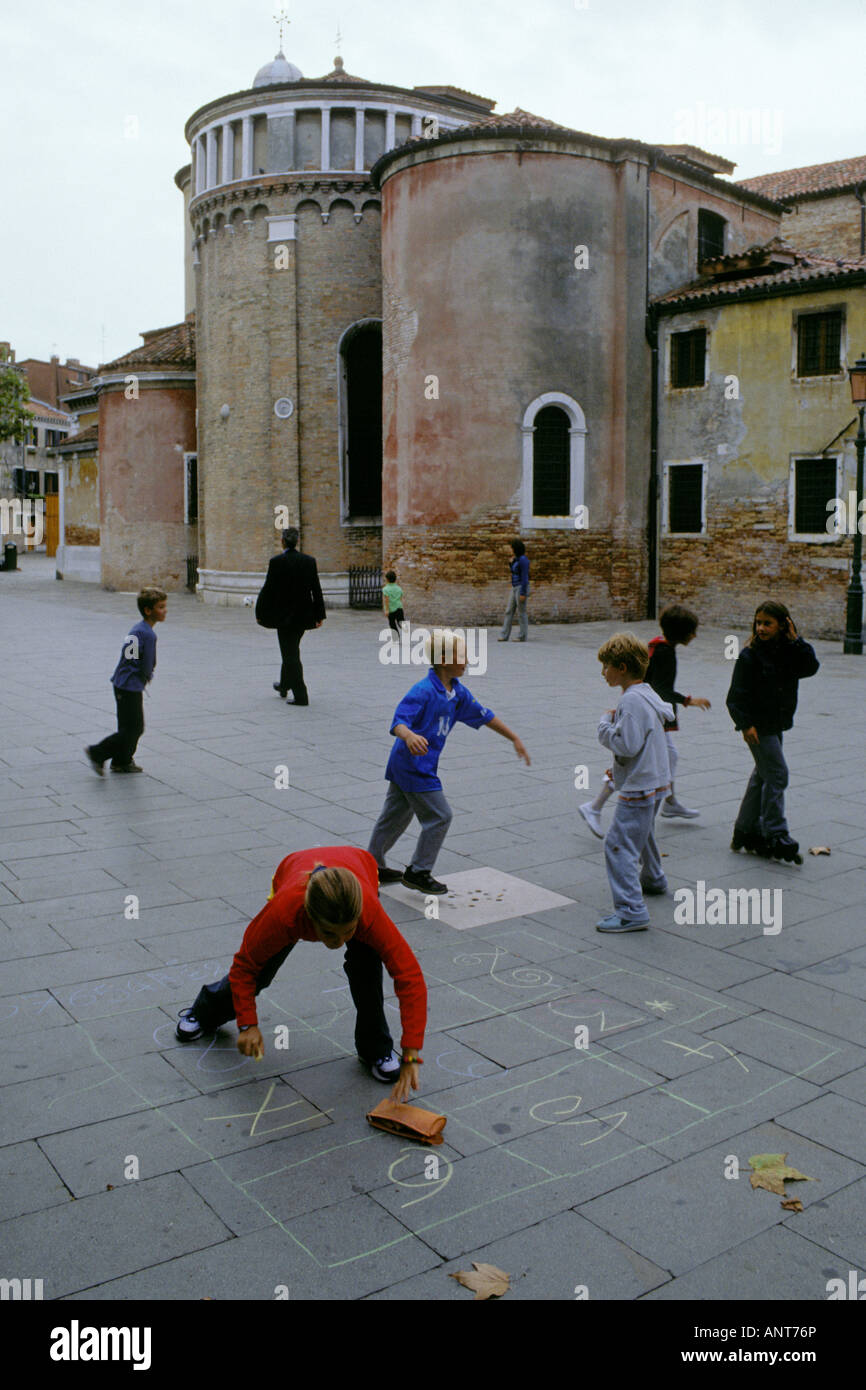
{"points": [[515, 606], [433, 812], [631, 856]]}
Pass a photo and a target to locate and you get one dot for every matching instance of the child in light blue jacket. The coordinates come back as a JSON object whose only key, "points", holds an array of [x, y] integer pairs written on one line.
{"points": [[635, 734]]}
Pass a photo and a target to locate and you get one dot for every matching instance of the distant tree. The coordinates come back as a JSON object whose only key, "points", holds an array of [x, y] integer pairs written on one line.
{"points": [[15, 420]]}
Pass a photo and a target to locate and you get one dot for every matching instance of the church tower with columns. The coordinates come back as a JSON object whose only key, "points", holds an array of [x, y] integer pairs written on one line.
{"points": [[284, 276]]}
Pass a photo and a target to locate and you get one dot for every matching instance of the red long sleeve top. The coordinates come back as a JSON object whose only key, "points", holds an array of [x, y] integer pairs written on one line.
{"points": [[284, 921]]}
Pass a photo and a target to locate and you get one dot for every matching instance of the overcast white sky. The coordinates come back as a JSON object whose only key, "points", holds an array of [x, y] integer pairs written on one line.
{"points": [[91, 237]]}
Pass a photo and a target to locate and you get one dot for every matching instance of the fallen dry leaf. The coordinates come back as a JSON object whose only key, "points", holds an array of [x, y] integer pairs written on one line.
{"points": [[820, 849], [771, 1172], [792, 1204], [487, 1281]]}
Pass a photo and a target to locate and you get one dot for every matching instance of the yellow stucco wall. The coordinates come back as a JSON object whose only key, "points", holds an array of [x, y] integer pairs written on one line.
{"points": [[753, 416]]}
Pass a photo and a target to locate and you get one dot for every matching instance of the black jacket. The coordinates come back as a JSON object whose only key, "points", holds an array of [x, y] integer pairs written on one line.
{"points": [[661, 674], [763, 693], [291, 595]]}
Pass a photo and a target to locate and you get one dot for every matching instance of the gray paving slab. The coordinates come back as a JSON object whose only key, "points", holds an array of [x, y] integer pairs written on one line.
{"points": [[776, 1265], [35, 940], [533, 1097], [507, 1040], [36, 1010], [817, 1006], [852, 1085], [691, 1112], [816, 1056], [839, 1122], [689, 1212], [564, 1257], [243, 1116], [838, 1223], [84, 1243], [275, 1264], [100, 998], [495, 1193], [69, 967], [92, 1157], [28, 1182]]}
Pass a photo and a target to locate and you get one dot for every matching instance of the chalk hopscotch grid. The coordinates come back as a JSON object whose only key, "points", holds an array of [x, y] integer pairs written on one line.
{"points": [[606, 969]]}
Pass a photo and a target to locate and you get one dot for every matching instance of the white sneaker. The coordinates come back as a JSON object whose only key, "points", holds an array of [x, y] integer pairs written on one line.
{"points": [[676, 808], [592, 818]]}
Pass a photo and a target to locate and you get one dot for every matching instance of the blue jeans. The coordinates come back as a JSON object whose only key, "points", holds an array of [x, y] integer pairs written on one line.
{"points": [[631, 856], [763, 806], [433, 812]]}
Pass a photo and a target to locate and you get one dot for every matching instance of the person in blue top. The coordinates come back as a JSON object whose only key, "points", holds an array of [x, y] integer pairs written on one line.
{"points": [[133, 672], [519, 595], [422, 722]]}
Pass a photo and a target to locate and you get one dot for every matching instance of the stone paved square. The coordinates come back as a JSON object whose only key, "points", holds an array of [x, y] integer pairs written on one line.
{"points": [[593, 1086]]}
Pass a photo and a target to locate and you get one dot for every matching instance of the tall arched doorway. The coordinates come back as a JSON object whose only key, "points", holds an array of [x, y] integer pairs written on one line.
{"points": [[361, 422]]}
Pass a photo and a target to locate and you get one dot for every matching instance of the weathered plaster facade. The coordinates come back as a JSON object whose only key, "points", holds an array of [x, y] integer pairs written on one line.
{"points": [[747, 444]]}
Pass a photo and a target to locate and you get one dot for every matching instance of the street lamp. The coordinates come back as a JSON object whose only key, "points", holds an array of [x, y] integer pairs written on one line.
{"points": [[853, 644]]}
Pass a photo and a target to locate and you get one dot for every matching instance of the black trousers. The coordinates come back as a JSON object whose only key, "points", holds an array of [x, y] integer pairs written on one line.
{"points": [[395, 618], [120, 747], [292, 672], [363, 966]]}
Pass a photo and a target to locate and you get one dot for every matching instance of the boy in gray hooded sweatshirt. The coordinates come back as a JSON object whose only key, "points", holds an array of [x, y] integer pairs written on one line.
{"points": [[635, 734]]}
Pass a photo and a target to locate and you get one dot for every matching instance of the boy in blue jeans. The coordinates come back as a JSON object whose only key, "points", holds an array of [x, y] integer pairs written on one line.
{"points": [[422, 721], [635, 734], [133, 672]]}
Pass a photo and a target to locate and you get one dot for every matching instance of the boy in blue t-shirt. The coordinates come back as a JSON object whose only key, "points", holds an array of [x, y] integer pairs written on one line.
{"points": [[422, 722], [133, 672]]}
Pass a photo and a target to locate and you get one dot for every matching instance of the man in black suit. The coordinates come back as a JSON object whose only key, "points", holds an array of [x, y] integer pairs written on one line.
{"points": [[291, 601]]}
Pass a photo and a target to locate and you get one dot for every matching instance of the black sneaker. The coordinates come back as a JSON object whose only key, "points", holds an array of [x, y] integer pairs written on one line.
{"points": [[95, 763], [300, 704], [386, 1069], [387, 875], [188, 1027], [126, 767], [279, 690], [784, 849], [423, 881]]}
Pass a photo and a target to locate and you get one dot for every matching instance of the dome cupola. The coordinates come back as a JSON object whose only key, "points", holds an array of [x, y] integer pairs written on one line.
{"points": [[277, 71]]}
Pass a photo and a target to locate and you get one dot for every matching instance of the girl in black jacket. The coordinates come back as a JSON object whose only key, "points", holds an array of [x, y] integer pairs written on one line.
{"points": [[761, 701]]}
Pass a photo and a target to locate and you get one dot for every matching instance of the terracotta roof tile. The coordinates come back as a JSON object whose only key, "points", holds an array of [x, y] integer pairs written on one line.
{"points": [[162, 347], [807, 270], [813, 179], [88, 436]]}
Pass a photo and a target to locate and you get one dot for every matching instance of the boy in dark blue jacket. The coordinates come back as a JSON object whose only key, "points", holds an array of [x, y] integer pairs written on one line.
{"points": [[761, 701], [133, 672]]}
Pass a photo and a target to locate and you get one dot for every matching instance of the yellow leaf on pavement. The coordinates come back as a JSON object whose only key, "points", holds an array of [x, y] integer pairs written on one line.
{"points": [[771, 1172], [486, 1281]]}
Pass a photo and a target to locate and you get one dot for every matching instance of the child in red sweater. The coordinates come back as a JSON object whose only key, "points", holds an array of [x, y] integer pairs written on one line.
{"points": [[331, 895]]}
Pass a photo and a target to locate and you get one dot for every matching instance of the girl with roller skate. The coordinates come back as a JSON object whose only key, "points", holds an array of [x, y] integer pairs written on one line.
{"points": [[761, 701]]}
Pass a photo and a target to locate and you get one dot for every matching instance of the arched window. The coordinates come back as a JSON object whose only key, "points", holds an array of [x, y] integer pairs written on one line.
{"points": [[554, 437], [551, 491], [361, 422]]}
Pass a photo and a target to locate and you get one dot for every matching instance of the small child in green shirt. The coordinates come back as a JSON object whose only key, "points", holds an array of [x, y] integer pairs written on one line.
{"points": [[392, 601]]}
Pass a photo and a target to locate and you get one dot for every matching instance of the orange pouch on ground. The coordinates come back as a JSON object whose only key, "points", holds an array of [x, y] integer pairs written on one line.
{"points": [[409, 1121]]}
